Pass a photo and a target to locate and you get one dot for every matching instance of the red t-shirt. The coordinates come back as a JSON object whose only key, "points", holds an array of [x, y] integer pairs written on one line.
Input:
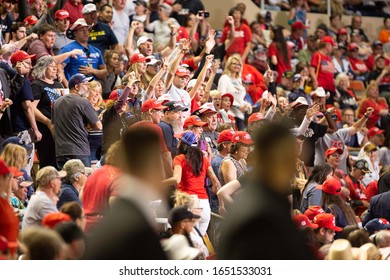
{"points": [[190, 183], [242, 35], [371, 190], [182, 33], [380, 104], [75, 12], [358, 65], [282, 66], [370, 62], [325, 70], [9, 223], [250, 73], [96, 193], [157, 129], [194, 105]]}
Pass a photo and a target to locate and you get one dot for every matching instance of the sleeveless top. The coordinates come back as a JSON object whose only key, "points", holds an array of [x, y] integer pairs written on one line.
{"points": [[240, 170]]}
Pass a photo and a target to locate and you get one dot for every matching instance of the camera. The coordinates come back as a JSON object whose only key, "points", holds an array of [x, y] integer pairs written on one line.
{"points": [[204, 14]]}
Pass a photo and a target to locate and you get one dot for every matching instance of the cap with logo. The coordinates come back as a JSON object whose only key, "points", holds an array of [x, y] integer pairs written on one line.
{"points": [[319, 92], [75, 166], [194, 121], [78, 79], [301, 101], [20, 56], [288, 74], [206, 108], [313, 211], [138, 57], [328, 40], [377, 225], [374, 131], [255, 117], [225, 136], [179, 214], [327, 221], [89, 8], [362, 164], [331, 186], [182, 72], [152, 61], [242, 137], [152, 104], [333, 150], [173, 106], [302, 220], [79, 24], [61, 14], [188, 137], [30, 20]]}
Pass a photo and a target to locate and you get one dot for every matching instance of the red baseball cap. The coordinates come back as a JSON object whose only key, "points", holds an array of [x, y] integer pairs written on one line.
{"points": [[152, 104], [61, 14], [4, 169], [353, 46], [242, 137], [301, 220], [326, 220], [328, 40], [138, 57], [194, 121], [30, 20], [182, 72], [230, 96], [53, 219], [374, 131], [20, 56], [225, 136], [15, 171], [298, 25], [255, 117], [115, 94], [333, 150], [331, 186], [313, 211], [342, 31]]}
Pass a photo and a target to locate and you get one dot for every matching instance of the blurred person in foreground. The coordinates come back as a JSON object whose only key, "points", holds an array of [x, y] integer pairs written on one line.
{"points": [[127, 232], [268, 187]]}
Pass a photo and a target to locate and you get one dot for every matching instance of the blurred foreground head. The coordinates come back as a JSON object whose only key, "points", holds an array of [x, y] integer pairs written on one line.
{"points": [[275, 156], [142, 157]]}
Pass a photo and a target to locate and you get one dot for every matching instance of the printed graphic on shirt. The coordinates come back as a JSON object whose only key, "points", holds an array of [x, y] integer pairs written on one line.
{"points": [[327, 66], [52, 94]]}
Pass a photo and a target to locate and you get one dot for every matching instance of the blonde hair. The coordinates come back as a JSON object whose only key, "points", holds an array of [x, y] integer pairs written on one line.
{"points": [[95, 85], [233, 58], [341, 76], [215, 93], [14, 155], [371, 85]]}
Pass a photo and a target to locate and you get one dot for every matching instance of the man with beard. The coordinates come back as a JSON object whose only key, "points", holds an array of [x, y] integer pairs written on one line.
{"points": [[6, 8], [44, 200], [71, 114]]}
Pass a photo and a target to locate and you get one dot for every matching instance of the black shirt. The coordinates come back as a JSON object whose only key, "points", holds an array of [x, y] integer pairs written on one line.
{"points": [[46, 94], [169, 138], [102, 37], [188, 7]]}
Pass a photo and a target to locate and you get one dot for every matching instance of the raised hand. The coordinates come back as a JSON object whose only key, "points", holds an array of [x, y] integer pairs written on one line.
{"points": [[312, 111]]}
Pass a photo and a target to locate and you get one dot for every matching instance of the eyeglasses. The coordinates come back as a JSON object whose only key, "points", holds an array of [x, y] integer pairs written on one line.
{"points": [[349, 115], [236, 64]]}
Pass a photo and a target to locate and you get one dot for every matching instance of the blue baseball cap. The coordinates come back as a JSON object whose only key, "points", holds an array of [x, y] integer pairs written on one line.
{"points": [[78, 79], [377, 225], [189, 138]]}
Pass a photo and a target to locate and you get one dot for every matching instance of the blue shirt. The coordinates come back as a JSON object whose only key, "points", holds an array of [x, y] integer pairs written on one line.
{"points": [[216, 164], [21, 92], [68, 194], [91, 56]]}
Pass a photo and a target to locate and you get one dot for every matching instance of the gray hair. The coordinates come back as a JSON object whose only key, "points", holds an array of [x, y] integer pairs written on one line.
{"points": [[40, 68], [73, 169]]}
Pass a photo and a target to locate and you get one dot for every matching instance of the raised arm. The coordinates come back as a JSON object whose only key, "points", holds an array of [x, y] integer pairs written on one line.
{"points": [[357, 126], [172, 41], [129, 43], [153, 83], [184, 48], [230, 38], [202, 76]]}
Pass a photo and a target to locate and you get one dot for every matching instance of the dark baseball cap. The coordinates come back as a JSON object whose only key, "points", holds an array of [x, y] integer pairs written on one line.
{"points": [[362, 164], [173, 106], [181, 213]]}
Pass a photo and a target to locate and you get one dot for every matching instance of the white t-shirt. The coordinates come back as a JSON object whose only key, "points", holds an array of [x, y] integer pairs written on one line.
{"points": [[121, 25], [161, 30], [181, 95]]}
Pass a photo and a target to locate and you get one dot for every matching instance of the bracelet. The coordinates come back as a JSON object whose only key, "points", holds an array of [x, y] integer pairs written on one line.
{"points": [[173, 34], [367, 117]]}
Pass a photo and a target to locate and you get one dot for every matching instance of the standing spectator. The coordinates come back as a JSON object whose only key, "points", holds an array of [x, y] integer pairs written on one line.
{"points": [[182, 8], [171, 120], [62, 22], [46, 90], [384, 34], [22, 110], [101, 35], [322, 69], [279, 52], [74, 181], [298, 11], [111, 59], [6, 8], [74, 8], [121, 23], [321, 31], [44, 200], [305, 55], [237, 36], [5, 103], [162, 27], [90, 62], [297, 37], [230, 82], [71, 113], [381, 110], [190, 170], [224, 144], [106, 14], [379, 207], [140, 8], [335, 25]]}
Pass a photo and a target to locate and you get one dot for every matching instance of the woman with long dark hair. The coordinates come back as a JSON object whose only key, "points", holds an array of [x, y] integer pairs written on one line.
{"points": [[331, 202], [279, 52], [311, 196], [190, 168]]}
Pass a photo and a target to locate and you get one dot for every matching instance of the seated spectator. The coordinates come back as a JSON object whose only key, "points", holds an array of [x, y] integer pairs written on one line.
{"points": [[342, 36], [44, 200], [73, 183], [326, 228], [74, 210], [381, 76], [335, 25], [346, 98], [305, 55], [371, 156], [357, 23], [384, 34], [341, 64], [277, 5], [321, 31], [74, 239], [377, 49], [364, 47], [359, 68], [279, 52]]}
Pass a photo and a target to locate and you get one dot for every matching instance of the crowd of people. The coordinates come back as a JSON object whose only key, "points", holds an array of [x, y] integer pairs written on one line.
{"points": [[136, 130]]}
